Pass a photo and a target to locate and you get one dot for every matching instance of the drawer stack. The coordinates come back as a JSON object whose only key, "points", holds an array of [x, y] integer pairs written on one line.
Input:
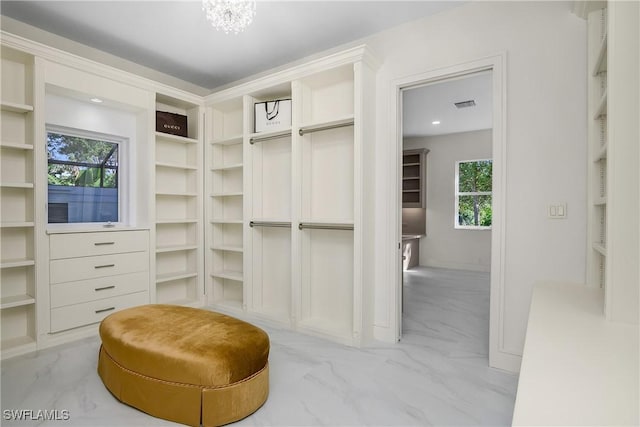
{"points": [[95, 274]]}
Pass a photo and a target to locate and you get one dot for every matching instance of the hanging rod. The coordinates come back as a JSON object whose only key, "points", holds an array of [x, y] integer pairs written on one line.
{"points": [[278, 135], [269, 224], [325, 226], [326, 126]]}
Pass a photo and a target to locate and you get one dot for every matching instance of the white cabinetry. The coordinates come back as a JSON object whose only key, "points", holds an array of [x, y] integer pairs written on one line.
{"points": [[224, 209], [269, 177], [178, 207], [94, 274], [614, 231], [287, 206], [598, 144], [17, 218]]}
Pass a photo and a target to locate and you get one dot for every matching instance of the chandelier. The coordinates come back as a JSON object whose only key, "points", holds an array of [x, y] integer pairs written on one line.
{"points": [[230, 16]]}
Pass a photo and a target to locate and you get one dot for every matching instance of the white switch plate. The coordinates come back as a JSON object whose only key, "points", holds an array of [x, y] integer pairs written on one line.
{"points": [[557, 211]]}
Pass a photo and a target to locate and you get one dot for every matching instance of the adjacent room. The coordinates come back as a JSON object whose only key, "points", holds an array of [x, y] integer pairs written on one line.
{"points": [[288, 213]]}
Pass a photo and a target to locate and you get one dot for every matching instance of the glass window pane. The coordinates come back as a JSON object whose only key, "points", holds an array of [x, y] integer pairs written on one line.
{"points": [[82, 178], [475, 176], [474, 211]]}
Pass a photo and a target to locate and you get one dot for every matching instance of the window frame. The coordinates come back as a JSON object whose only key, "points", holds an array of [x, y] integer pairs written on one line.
{"points": [[458, 193], [123, 175]]}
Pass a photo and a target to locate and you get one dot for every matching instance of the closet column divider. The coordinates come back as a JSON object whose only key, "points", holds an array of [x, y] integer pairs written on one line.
{"points": [[41, 249], [247, 202], [297, 100]]}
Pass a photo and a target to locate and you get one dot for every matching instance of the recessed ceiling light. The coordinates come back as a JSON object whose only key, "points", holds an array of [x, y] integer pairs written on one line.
{"points": [[435, 122], [96, 100]]}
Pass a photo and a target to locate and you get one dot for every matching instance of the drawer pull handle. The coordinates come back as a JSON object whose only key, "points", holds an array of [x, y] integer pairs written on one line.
{"points": [[105, 309], [104, 243], [104, 288], [105, 266]]}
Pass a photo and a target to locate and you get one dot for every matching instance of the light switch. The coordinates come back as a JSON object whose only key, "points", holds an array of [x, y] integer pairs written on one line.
{"points": [[558, 211]]}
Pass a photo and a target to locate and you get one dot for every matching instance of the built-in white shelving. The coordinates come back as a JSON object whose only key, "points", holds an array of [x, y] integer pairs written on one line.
{"points": [[178, 204], [17, 216], [286, 212], [225, 162], [598, 145]]}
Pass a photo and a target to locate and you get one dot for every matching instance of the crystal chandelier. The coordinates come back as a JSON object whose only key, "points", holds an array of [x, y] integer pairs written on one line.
{"points": [[230, 16]]}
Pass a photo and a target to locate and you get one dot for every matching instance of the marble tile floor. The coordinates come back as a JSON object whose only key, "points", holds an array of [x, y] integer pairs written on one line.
{"points": [[437, 375]]}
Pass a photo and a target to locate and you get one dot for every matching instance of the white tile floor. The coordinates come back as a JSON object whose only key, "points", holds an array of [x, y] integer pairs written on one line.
{"points": [[437, 375]]}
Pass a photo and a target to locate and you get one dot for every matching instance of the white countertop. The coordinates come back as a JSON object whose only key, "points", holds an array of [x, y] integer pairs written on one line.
{"points": [[577, 368]]}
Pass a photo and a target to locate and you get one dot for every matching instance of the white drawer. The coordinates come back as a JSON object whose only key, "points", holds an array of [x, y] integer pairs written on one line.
{"points": [[101, 243], [73, 316], [69, 270], [103, 287]]}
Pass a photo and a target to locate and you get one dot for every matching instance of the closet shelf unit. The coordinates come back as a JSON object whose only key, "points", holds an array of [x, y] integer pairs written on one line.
{"points": [[598, 145], [178, 206], [18, 250], [224, 162], [301, 225]]}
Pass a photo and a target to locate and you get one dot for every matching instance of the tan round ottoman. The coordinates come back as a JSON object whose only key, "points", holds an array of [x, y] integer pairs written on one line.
{"points": [[184, 364]]}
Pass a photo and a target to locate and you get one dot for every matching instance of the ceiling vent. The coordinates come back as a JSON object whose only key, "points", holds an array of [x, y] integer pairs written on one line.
{"points": [[465, 104]]}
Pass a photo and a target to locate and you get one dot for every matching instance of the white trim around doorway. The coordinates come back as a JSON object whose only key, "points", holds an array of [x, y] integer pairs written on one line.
{"points": [[499, 356]]}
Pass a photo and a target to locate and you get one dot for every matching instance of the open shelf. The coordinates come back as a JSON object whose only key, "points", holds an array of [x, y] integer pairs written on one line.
{"points": [[600, 64], [176, 248], [15, 263], [176, 138], [228, 248], [16, 301], [228, 274], [16, 145], [15, 107], [231, 140]]}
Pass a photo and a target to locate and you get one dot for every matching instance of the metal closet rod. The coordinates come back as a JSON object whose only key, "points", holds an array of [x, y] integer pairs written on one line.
{"points": [[270, 137], [324, 226], [269, 224], [310, 129]]}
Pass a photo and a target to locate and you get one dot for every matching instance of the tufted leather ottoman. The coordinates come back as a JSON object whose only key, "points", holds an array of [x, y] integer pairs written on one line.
{"points": [[184, 364]]}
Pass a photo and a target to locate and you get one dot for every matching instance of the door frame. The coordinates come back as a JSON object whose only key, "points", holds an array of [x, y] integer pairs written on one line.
{"points": [[498, 357]]}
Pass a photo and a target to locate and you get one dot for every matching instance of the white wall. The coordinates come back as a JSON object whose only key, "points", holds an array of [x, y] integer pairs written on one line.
{"points": [[445, 246], [82, 115], [545, 48]]}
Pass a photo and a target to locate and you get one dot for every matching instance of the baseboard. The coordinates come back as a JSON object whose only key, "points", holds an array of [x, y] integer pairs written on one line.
{"points": [[457, 265]]}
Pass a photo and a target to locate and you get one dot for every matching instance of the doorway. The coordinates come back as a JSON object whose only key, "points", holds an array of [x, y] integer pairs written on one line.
{"points": [[446, 189], [493, 68]]}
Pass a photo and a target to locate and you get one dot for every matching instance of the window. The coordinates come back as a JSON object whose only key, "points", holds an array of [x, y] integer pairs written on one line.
{"points": [[473, 194], [84, 183]]}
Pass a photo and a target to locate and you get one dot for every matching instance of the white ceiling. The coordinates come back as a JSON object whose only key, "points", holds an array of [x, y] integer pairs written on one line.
{"points": [[174, 37], [435, 102]]}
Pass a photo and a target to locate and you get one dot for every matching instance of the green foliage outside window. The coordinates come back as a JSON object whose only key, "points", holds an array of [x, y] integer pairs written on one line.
{"points": [[81, 162], [474, 193]]}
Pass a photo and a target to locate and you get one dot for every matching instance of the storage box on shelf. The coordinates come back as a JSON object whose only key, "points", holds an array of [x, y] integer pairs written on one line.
{"points": [[178, 205], [225, 160], [17, 226]]}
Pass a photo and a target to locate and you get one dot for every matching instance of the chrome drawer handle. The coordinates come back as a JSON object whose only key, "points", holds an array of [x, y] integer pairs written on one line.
{"points": [[104, 243], [105, 266], [105, 309], [104, 288]]}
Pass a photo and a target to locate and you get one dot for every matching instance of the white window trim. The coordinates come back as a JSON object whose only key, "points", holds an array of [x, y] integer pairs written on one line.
{"points": [[458, 193], [123, 177]]}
